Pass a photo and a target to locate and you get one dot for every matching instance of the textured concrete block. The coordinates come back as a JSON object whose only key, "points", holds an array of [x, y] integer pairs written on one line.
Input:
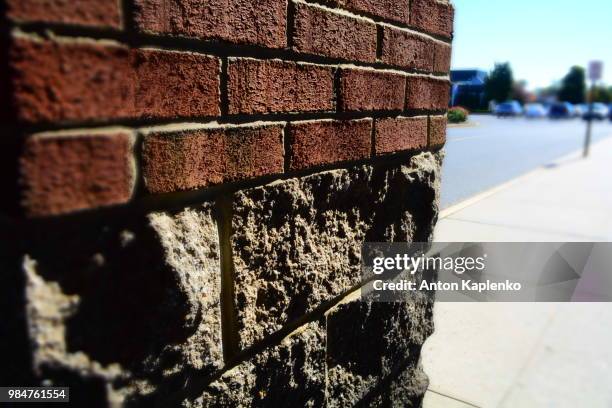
{"points": [[190, 243], [405, 390], [371, 90], [322, 31], [132, 303], [369, 342], [256, 86], [290, 374], [238, 21], [297, 243]]}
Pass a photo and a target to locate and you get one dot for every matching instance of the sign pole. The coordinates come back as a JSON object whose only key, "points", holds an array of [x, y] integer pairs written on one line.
{"points": [[595, 74], [587, 139]]}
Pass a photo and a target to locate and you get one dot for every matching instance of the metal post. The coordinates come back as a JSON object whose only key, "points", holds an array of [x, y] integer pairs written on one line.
{"points": [[587, 139]]}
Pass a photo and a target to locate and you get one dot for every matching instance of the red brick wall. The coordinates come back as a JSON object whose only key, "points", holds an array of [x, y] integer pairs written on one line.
{"points": [[187, 185], [250, 89]]}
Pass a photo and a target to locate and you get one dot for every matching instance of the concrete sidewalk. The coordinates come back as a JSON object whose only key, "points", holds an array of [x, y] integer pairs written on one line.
{"points": [[528, 355], [568, 200]]}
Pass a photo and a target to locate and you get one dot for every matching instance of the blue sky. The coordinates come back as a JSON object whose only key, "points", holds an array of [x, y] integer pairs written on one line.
{"points": [[542, 39]]}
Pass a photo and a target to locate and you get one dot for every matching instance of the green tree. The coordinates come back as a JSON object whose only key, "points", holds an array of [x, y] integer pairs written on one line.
{"points": [[520, 92], [601, 94], [500, 82], [573, 86]]}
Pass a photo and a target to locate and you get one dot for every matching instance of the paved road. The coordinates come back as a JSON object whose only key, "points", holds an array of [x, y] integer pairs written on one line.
{"points": [[498, 150]]}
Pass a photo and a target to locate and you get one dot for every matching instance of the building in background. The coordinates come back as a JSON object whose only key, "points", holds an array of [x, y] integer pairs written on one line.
{"points": [[468, 88]]}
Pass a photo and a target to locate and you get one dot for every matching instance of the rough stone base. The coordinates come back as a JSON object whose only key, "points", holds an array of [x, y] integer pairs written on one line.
{"points": [[126, 307], [297, 243], [132, 309]]}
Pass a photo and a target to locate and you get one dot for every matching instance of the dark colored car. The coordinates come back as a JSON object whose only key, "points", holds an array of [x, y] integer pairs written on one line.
{"points": [[561, 110], [599, 111]]}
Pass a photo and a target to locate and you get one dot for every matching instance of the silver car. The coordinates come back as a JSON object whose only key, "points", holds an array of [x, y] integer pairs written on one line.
{"points": [[535, 110]]}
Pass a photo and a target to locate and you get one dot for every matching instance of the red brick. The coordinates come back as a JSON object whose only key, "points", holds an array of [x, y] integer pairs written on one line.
{"points": [[437, 131], [433, 16], [237, 21], [197, 158], [176, 84], [442, 58], [253, 152], [315, 143], [400, 134], [395, 10], [319, 31], [256, 86], [6, 93], [183, 161], [61, 81], [99, 13], [75, 171], [427, 93], [370, 90], [406, 49]]}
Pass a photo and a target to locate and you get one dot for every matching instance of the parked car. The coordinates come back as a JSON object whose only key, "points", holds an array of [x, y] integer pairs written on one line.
{"points": [[535, 110], [581, 109], [599, 111], [509, 109], [561, 110]]}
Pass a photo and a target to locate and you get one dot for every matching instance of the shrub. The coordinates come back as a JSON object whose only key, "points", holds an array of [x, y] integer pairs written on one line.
{"points": [[457, 114]]}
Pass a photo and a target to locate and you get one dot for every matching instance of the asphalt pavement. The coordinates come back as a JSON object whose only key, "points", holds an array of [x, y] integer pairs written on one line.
{"points": [[494, 151]]}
